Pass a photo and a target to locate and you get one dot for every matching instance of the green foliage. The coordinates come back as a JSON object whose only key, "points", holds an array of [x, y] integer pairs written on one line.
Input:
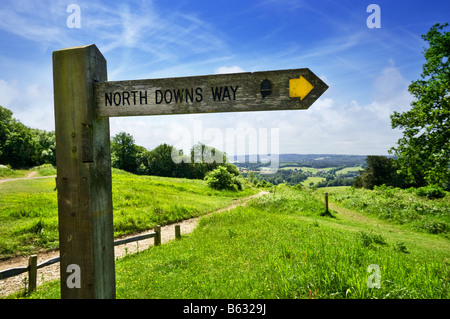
{"points": [[45, 152], [45, 170], [379, 170], [124, 152], [369, 239], [160, 161], [252, 178], [398, 206], [424, 150], [232, 169], [7, 171], [401, 247], [165, 160], [22, 147], [265, 184], [204, 159], [17, 145], [220, 178], [289, 177], [430, 191]]}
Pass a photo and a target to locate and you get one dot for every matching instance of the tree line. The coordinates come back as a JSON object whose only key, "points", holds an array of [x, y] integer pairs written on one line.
{"points": [[126, 155], [24, 147]]}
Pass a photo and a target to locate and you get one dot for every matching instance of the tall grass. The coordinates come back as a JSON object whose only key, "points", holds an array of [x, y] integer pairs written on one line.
{"points": [[6, 172], [28, 216], [398, 206]]}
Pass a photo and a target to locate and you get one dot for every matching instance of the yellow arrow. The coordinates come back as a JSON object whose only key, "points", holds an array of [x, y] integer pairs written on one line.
{"points": [[299, 87]]}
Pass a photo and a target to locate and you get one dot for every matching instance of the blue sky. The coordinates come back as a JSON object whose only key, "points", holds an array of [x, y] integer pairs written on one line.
{"points": [[368, 70]]}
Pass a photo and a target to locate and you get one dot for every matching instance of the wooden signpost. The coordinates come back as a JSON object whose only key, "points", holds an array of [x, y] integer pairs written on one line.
{"points": [[257, 91], [84, 100]]}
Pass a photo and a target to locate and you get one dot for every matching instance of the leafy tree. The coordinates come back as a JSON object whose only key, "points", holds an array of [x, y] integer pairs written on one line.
{"points": [[17, 145], [142, 157], [45, 152], [5, 129], [205, 159], [160, 161], [124, 152], [379, 170], [252, 178], [424, 150]]}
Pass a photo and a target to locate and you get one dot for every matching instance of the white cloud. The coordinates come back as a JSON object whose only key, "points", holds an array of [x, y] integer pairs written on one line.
{"points": [[32, 103], [228, 69], [9, 92], [35, 20], [349, 128]]}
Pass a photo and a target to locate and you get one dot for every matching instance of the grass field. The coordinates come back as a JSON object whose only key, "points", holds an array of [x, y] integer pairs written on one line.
{"points": [[280, 246], [349, 169], [29, 214], [307, 169], [312, 179]]}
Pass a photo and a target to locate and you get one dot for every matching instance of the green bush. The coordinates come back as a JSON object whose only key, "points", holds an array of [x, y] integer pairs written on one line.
{"points": [[430, 191], [369, 239], [264, 183], [221, 178], [435, 227], [401, 247], [45, 170]]}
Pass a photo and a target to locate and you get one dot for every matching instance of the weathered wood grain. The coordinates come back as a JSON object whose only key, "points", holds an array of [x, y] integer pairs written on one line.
{"points": [[84, 174]]}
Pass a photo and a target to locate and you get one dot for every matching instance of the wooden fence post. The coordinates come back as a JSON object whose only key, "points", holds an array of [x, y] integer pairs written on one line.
{"points": [[326, 204], [32, 273], [83, 159], [158, 236], [177, 232]]}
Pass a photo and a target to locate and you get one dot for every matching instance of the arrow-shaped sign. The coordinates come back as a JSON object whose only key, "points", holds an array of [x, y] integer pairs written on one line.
{"points": [[299, 87], [257, 91]]}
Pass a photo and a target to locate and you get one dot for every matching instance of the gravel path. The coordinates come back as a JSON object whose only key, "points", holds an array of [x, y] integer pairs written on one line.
{"points": [[31, 175], [14, 284]]}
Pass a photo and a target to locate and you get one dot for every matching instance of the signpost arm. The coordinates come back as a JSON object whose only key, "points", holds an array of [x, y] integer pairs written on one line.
{"points": [[83, 161]]}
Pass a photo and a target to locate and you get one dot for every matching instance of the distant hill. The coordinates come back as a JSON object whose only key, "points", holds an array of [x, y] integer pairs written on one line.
{"points": [[308, 160], [323, 160], [318, 170]]}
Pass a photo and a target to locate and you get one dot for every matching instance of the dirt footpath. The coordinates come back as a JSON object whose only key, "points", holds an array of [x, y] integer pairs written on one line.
{"points": [[15, 284]]}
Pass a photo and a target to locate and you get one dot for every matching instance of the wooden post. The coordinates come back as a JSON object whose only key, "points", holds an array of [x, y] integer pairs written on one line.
{"points": [[326, 204], [158, 236], [32, 273], [83, 161], [177, 232]]}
